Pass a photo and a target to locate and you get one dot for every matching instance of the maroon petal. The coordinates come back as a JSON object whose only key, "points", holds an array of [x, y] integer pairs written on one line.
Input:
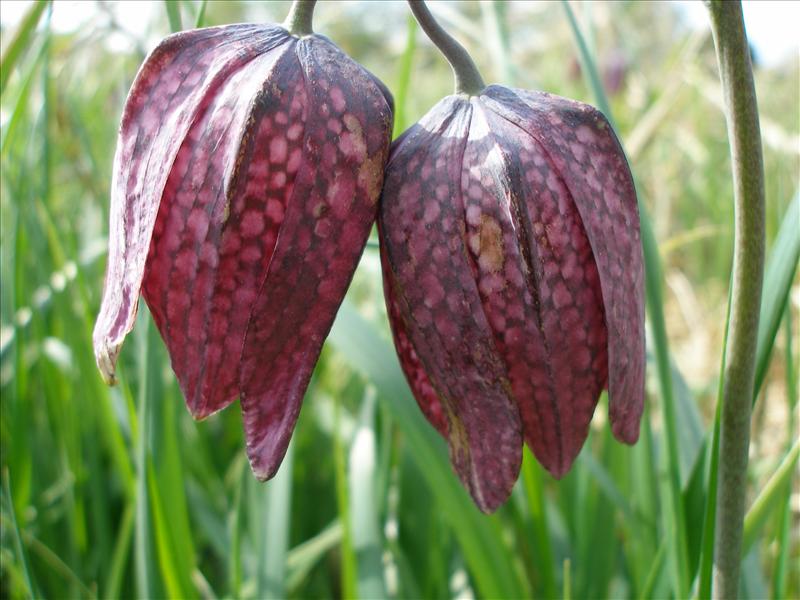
{"points": [[439, 304], [323, 233], [219, 219], [421, 387], [172, 91], [538, 283], [585, 154]]}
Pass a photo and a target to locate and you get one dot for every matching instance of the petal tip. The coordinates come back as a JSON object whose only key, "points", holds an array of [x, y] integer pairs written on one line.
{"points": [[625, 430], [106, 358], [263, 468]]}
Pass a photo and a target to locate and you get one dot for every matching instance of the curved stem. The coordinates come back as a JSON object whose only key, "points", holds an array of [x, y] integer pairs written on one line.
{"points": [[468, 79], [733, 57], [298, 21]]}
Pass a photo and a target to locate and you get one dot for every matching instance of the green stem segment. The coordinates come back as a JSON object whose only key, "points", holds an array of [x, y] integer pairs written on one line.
{"points": [[468, 79], [298, 21], [733, 57]]}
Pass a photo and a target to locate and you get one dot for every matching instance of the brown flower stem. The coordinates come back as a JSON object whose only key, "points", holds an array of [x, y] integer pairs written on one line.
{"points": [[298, 21], [741, 111], [468, 78]]}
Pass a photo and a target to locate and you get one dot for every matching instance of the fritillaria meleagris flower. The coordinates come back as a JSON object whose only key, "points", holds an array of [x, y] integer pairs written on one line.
{"points": [[513, 279], [248, 168]]}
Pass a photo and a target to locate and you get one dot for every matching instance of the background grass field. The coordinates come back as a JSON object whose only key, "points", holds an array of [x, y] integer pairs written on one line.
{"points": [[116, 492]]}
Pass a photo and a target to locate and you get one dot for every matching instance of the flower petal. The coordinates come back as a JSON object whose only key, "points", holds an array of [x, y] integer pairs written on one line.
{"points": [[439, 304], [538, 283], [421, 387], [172, 89], [584, 151], [323, 234], [219, 219]]}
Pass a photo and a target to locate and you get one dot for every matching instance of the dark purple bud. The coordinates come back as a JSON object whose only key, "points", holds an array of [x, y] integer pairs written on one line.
{"points": [[248, 169], [514, 279]]}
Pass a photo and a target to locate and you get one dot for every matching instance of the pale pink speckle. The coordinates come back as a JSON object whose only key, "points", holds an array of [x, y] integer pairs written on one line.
{"points": [[275, 210], [337, 97], [341, 195], [197, 224], [209, 255], [250, 254], [186, 262], [244, 296], [561, 295], [474, 214], [294, 131], [335, 125], [279, 179], [432, 212], [584, 134], [294, 161], [277, 150], [252, 223]]}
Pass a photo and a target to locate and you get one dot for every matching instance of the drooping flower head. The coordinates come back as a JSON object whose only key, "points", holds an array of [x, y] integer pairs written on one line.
{"points": [[248, 168], [513, 277]]}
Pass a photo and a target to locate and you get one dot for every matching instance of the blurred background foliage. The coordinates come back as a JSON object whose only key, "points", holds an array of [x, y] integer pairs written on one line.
{"points": [[118, 493]]}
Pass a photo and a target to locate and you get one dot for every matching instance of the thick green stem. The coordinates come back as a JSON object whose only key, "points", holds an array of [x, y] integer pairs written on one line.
{"points": [[468, 79], [298, 21], [733, 57]]}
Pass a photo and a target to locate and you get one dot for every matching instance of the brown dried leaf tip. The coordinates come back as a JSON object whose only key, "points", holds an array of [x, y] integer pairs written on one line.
{"points": [[246, 180], [513, 278]]}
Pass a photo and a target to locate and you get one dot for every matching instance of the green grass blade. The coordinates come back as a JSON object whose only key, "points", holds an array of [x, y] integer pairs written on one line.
{"points": [[235, 528], [22, 104], [769, 497], [349, 567], [174, 15], [22, 556], [121, 553], [674, 517], [404, 78], [498, 37], [200, 21], [537, 507], [57, 566], [147, 584], [168, 501], [588, 66], [780, 270], [167, 557], [279, 518], [489, 559], [706, 566], [655, 571], [21, 41], [301, 559], [781, 578], [367, 543]]}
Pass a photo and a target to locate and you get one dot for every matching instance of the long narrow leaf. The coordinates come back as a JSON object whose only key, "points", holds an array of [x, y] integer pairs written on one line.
{"points": [[22, 556], [705, 571], [675, 519], [769, 497], [279, 514], [367, 542], [174, 15], [20, 41], [404, 78], [349, 576], [778, 275], [480, 537]]}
